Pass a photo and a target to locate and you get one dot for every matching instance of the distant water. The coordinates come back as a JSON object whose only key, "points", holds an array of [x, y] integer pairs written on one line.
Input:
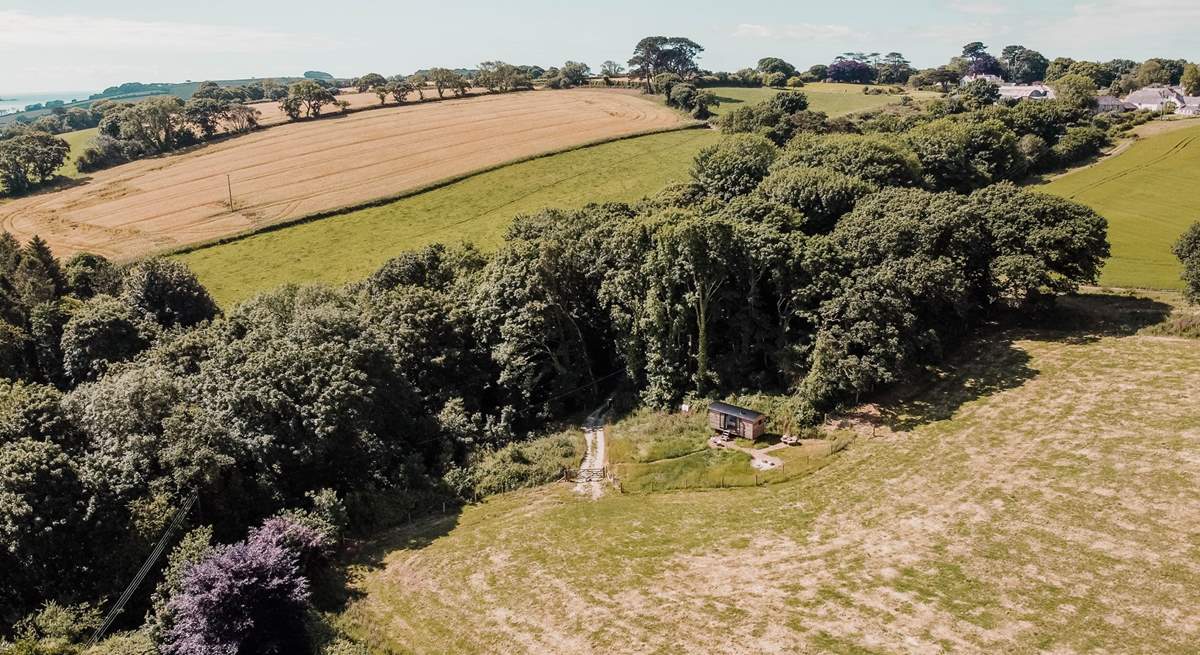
{"points": [[10, 101]]}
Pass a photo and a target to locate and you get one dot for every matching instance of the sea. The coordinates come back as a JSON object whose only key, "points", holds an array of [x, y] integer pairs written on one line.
{"points": [[11, 102]]}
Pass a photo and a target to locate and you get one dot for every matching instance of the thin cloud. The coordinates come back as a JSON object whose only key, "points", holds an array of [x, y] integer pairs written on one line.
{"points": [[796, 32], [981, 8], [20, 30], [1144, 22]]}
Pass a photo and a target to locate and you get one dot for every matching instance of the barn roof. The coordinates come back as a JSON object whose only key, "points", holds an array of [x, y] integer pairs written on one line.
{"points": [[734, 410]]}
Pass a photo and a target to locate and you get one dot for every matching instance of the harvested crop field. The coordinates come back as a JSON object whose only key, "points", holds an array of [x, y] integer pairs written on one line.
{"points": [[295, 170], [270, 112]]}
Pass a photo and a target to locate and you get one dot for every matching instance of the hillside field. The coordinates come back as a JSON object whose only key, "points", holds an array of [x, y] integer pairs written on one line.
{"points": [[1147, 195], [299, 169], [833, 99], [1041, 497], [79, 139], [350, 246]]}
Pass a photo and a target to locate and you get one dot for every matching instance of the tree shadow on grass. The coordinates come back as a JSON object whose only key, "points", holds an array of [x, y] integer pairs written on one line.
{"points": [[990, 362], [725, 100], [985, 366], [1089, 317], [335, 590]]}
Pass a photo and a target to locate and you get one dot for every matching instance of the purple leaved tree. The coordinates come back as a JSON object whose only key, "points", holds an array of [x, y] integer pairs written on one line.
{"points": [[852, 71], [248, 597]]}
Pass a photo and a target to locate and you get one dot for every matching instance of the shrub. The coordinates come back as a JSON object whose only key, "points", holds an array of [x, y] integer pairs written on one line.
{"points": [[248, 597], [795, 82], [789, 102], [772, 119], [682, 95], [168, 292], [517, 465], [735, 166], [1078, 144], [963, 155], [1034, 149], [1187, 249], [774, 79], [87, 275], [106, 151], [877, 159], [663, 82], [104, 331], [821, 194]]}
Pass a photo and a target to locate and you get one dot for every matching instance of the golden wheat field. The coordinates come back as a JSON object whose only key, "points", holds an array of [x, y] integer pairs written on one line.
{"points": [[299, 169]]}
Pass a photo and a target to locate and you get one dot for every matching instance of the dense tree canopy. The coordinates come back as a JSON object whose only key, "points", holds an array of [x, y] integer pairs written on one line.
{"points": [[30, 160]]}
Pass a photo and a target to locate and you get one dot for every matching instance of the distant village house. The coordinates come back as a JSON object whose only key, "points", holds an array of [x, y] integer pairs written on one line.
{"points": [[1164, 99]]}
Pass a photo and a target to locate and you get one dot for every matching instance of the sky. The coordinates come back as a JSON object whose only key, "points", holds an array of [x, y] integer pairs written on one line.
{"points": [[89, 44]]}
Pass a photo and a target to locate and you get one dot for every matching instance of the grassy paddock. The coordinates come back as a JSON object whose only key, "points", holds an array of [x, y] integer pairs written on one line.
{"points": [[78, 140], [1146, 195], [833, 99], [477, 209], [653, 451], [1041, 497]]}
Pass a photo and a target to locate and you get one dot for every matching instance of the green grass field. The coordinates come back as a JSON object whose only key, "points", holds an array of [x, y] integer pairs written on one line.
{"points": [[1041, 497], [1147, 195], [478, 209], [833, 99], [79, 140]]}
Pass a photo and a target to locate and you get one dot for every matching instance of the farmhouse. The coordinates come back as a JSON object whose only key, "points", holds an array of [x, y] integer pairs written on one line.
{"points": [[994, 79], [734, 421], [1035, 91], [1113, 104], [1160, 98]]}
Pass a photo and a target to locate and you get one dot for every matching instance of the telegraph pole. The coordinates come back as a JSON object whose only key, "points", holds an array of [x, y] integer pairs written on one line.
{"points": [[229, 188]]}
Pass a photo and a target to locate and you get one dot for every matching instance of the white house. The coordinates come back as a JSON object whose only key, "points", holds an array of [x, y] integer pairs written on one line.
{"points": [[994, 79], [1035, 91], [1158, 98]]}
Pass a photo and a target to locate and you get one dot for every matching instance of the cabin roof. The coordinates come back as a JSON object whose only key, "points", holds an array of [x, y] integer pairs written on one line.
{"points": [[734, 410]]}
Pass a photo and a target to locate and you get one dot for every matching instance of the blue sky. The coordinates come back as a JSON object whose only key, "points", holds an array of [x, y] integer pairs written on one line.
{"points": [[89, 44]]}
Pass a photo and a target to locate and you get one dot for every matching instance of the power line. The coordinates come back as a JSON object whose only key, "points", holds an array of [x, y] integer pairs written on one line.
{"points": [[144, 571]]}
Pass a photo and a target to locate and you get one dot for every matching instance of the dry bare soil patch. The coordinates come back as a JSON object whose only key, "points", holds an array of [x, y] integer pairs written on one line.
{"points": [[295, 170], [1044, 496]]}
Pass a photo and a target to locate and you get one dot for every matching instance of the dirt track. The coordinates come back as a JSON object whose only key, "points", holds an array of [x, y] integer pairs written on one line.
{"points": [[298, 169]]}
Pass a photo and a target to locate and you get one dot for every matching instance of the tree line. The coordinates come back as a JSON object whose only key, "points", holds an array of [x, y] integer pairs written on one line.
{"points": [[964, 140]]}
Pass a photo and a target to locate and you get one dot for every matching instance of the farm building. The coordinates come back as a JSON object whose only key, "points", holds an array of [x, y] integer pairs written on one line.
{"points": [[1113, 104], [1036, 91], [994, 79], [734, 421], [1157, 98]]}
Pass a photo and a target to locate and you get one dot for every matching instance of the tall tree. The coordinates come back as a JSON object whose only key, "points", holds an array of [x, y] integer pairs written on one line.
{"points": [[660, 54], [1191, 80]]}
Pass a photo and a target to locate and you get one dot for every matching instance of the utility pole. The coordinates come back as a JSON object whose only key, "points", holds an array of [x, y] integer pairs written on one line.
{"points": [[229, 188]]}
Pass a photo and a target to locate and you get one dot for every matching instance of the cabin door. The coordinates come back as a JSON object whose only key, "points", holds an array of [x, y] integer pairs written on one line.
{"points": [[731, 423]]}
